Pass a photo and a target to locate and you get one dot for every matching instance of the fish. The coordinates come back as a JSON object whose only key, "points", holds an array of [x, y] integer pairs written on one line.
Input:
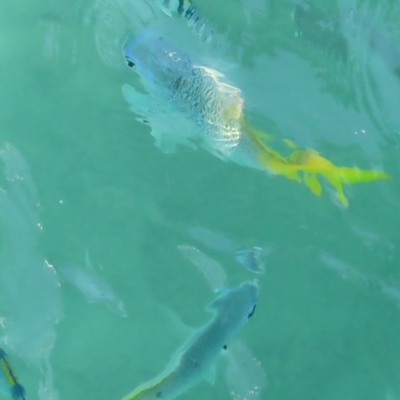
{"points": [[212, 239], [92, 287], [211, 269], [244, 375], [191, 104], [8, 379], [373, 284], [250, 259], [194, 360], [187, 10], [247, 258], [30, 297]]}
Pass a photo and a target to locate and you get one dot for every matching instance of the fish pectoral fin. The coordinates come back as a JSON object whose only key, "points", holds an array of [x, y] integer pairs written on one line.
{"points": [[211, 375], [245, 376], [140, 103]]}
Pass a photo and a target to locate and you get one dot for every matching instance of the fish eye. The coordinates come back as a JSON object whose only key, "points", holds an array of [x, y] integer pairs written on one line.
{"points": [[129, 62]]}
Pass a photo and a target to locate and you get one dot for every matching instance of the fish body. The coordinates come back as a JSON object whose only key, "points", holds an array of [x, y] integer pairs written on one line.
{"points": [[188, 103], [195, 358], [209, 110], [9, 380]]}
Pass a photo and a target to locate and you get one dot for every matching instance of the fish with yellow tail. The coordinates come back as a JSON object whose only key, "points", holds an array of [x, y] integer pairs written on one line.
{"points": [[190, 104], [195, 359], [8, 379]]}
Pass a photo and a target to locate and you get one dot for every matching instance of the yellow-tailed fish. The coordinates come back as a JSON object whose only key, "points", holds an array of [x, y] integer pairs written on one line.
{"points": [[189, 103], [8, 380], [195, 359], [186, 9]]}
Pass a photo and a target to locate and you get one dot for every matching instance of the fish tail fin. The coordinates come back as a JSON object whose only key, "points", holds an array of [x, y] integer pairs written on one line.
{"points": [[18, 392], [140, 392], [337, 176], [311, 164], [148, 390]]}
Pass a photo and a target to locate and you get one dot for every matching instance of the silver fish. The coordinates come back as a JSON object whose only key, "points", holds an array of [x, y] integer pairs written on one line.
{"points": [[30, 298], [248, 258], [92, 287], [211, 269], [195, 358]]}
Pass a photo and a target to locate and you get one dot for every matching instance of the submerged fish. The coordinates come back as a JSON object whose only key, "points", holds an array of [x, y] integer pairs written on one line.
{"points": [[211, 269], [213, 239], [93, 288], [250, 259], [30, 298], [186, 9], [188, 103], [196, 357], [8, 380]]}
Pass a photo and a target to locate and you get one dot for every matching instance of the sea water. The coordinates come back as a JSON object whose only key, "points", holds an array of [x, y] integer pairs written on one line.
{"points": [[152, 236]]}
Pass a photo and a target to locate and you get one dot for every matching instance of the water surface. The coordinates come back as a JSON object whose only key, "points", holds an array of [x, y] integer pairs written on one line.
{"points": [[322, 74]]}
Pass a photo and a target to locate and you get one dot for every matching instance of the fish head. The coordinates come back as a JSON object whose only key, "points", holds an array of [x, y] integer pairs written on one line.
{"points": [[141, 52], [238, 302], [154, 58]]}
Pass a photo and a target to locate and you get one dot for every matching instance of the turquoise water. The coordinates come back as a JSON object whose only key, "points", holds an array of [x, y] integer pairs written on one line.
{"points": [[85, 189]]}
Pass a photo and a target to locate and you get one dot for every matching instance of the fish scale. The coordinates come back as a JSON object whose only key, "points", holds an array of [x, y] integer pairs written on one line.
{"points": [[214, 106]]}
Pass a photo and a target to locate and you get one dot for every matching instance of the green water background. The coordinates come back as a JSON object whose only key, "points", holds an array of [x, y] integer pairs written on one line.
{"points": [[320, 331]]}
